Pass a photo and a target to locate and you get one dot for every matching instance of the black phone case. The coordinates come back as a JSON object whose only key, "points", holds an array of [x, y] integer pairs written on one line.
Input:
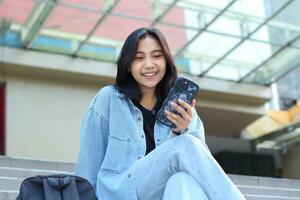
{"points": [[183, 89]]}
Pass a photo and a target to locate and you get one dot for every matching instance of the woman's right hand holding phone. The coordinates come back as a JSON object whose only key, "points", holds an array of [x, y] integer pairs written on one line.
{"points": [[184, 116]]}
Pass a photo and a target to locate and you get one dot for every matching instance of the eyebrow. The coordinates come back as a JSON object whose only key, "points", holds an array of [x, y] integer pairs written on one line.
{"points": [[154, 51]]}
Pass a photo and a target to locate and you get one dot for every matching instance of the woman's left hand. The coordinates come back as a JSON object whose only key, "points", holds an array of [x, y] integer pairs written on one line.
{"points": [[184, 118]]}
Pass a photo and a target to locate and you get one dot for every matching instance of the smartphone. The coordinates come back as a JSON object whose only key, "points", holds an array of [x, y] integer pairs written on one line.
{"points": [[183, 89]]}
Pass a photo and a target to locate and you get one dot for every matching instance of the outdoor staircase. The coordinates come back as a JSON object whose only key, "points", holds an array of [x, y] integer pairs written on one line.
{"points": [[14, 170]]}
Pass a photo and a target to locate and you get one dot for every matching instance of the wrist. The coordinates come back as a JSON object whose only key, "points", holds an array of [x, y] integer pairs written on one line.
{"points": [[183, 131]]}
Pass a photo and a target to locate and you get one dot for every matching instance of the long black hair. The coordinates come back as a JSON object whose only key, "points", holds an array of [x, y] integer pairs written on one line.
{"points": [[125, 81]]}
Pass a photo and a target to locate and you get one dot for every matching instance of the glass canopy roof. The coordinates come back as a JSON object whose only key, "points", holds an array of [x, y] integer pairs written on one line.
{"points": [[253, 41]]}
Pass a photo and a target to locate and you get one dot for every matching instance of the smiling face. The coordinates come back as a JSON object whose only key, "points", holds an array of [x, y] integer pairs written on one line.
{"points": [[149, 65]]}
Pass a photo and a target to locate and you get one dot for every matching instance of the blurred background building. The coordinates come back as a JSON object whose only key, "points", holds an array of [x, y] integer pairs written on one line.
{"points": [[244, 54]]}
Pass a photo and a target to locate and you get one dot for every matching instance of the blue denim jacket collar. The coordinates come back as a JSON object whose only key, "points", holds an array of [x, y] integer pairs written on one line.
{"points": [[120, 94]]}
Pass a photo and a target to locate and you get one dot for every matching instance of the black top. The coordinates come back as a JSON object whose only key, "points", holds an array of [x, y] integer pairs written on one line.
{"points": [[149, 118]]}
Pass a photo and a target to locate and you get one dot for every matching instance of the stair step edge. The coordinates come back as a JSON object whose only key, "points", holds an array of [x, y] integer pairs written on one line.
{"points": [[270, 196], [267, 187]]}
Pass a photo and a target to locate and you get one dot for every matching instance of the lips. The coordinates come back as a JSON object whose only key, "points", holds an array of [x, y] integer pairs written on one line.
{"points": [[150, 74]]}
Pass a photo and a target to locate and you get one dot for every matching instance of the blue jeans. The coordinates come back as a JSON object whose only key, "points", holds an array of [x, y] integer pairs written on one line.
{"points": [[182, 168]]}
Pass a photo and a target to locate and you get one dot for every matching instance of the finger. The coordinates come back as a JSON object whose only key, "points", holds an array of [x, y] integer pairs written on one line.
{"points": [[176, 117], [193, 103], [175, 121], [186, 106], [180, 110], [184, 117]]}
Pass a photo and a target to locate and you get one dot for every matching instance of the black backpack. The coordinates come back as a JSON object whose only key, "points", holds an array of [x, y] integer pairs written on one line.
{"points": [[56, 187]]}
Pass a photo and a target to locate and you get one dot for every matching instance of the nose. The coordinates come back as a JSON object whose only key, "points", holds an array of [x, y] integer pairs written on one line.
{"points": [[149, 63]]}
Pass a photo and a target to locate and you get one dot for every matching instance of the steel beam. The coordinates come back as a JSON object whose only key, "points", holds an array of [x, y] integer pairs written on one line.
{"points": [[285, 73], [165, 12], [230, 14], [205, 27], [288, 44], [94, 10], [246, 37], [236, 15], [94, 29], [40, 14]]}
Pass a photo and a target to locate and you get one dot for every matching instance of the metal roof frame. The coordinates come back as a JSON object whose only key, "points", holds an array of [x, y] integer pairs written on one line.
{"points": [[288, 71], [288, 44], [204, 28], [246, 37], [44, 8], [35, 23], [97, 25], [86, 8], [165, 12], [242, 16]]}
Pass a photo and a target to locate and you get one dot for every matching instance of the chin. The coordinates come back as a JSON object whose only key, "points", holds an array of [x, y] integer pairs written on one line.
{"points": [[151, 86]]}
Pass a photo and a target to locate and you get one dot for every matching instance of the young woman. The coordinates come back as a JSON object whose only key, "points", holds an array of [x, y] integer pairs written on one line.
{"points": [[126, 154]]}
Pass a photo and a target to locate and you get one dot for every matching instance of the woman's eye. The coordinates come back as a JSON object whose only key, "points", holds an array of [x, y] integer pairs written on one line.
{"points": [[158, 55], [138, 58]]}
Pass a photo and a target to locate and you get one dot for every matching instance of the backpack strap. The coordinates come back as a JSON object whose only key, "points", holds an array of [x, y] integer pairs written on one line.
{"points": [[71, 192], [50, 192], [60, 188]]}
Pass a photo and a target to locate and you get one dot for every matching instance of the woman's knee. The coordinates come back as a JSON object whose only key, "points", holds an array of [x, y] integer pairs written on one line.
{"points": [[181, 185], [178, 178], [189, 141]]}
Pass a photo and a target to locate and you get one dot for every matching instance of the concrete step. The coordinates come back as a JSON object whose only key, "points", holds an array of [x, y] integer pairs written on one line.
{"points": [[6, 161], [265, 181], [8, 195], [24, 173], [268, 197], [269, 192], [11, 178], [267, 188], [14, 170], [10, 183]]}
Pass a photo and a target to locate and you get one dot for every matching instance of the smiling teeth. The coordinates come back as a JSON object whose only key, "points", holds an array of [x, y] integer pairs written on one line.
{"points": [[149, 74]]}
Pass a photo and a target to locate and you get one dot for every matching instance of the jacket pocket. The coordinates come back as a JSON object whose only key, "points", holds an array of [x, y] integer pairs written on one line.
{"points": [[116, 156]]}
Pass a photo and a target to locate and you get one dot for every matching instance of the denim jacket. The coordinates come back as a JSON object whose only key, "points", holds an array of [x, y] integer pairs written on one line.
{"points": [[112, 139]]}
